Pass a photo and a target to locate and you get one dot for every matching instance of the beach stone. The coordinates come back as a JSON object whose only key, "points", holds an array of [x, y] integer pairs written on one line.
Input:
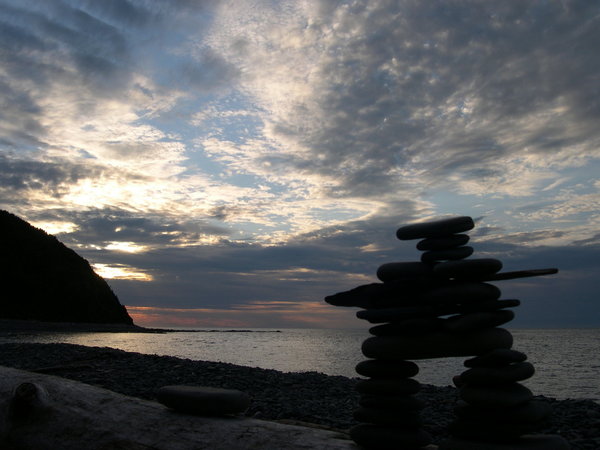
{"points": [[391, 386], [408, 327], [382, 437], [478, 320], [496, 358], [489, 305], [501, 396], [403, 271], [461, 292], [393, 402], [405, 419], [382, 368], [531, 411], [401, 314], [490, 376], [467, 268], [203, 400], [457, 253], [457, 381], [435, 229], [395, 314], [443, 243], [436, 345], [490, 431], [526, 442]]}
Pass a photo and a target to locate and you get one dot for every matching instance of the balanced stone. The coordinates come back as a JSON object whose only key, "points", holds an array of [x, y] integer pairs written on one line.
{"points": [[382, 437], [527, 442], [496, 358], [437, 344], [478, 320], [461, 292], [531, 411], [445, 255], [203, 400], [406, 419], [403, 270], [383, 368], [443, 243], [491, 431], [395, 314], [468, 268], [489, 305], [435, 229], [391, 386], [408, 327], [500, 396], [380, 295], [520, 274], [385, 401], [490, 376]]}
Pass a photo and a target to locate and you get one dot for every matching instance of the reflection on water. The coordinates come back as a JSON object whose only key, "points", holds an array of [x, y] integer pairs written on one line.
{"points": [[566, 361]]}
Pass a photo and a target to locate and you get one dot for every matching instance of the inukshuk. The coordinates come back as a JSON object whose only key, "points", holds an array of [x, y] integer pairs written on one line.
{"points": [[443, 306]]}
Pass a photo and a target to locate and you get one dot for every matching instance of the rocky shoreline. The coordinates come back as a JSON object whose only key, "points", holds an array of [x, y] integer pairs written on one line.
{"points": [[17, 327], [308, 397]]}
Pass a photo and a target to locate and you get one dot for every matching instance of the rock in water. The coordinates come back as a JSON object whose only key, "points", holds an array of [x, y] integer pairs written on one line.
{"points": [[44, 280], [203, 400]]}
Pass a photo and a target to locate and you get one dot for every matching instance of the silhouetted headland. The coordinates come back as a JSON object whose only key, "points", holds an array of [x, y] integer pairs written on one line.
{"points": [[43, 280]]}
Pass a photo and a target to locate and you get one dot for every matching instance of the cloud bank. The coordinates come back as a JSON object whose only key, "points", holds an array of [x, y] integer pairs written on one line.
{"points": [[238, 161]]}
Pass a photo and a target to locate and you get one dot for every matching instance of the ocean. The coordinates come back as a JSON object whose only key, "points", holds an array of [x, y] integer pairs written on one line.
{"points": [[567, 361]]}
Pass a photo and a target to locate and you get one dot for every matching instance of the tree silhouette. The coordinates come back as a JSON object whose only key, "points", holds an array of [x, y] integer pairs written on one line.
{"points": [[42, 279]]}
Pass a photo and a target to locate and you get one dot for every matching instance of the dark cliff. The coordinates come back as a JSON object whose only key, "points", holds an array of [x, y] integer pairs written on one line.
{"points": [[41, 279]]}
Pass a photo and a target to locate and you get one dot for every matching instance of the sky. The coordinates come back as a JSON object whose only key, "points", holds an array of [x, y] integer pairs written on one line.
{"points": [[231, 163]]}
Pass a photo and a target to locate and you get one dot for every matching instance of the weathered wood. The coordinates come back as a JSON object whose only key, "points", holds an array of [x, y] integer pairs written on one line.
{"points": [[43, 412]]}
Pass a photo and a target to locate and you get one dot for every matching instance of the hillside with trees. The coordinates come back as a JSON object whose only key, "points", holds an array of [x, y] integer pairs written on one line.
{"points": [[41, 279]]}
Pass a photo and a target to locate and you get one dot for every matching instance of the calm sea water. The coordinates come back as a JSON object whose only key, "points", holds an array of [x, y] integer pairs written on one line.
{"points": [[567, 361]]}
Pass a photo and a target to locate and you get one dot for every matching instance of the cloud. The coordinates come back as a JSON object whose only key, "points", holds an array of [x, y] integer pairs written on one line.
{"points": [[246, 153], [18, 177], [394, 90]]}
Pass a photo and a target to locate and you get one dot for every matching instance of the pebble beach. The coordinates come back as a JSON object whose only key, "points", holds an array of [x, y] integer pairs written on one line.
{"points": [[308, 398]]}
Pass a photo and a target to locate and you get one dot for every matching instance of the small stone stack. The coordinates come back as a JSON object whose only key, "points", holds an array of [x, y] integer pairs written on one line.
{"points": [[439, 307]]}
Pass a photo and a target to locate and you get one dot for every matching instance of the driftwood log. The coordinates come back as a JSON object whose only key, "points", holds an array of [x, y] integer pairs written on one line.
{"points": [[42, 412]]}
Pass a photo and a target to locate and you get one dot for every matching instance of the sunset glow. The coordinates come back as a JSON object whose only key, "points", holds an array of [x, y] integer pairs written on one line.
{"points": [[120, 272]]}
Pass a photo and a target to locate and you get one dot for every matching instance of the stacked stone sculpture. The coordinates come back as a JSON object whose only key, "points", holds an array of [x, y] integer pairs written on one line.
{"points": [[443, 306]]}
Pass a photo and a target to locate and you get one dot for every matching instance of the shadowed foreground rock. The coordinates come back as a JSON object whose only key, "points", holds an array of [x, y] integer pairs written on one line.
{"points": [[42, 412]]}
